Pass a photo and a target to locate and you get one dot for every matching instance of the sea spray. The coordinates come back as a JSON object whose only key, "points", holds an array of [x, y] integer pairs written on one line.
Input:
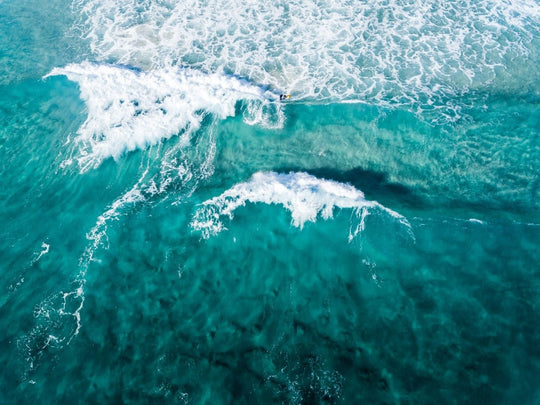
{"points": [[304, 196], [130, 109]]}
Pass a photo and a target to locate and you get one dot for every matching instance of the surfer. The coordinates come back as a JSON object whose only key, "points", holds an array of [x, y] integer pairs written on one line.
{"points": [[284, 96]]}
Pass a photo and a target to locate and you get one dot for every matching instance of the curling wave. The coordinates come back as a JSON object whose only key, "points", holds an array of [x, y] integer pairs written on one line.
{"points": [[304, 196]]}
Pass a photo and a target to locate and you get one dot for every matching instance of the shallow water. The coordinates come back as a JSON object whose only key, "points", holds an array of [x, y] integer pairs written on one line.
{"points": [[174, 233]]}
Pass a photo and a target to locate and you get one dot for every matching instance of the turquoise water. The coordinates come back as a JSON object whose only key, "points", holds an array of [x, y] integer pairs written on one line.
{"points": [[172, 233]]}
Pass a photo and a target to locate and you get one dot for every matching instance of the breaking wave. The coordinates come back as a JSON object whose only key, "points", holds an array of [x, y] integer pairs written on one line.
{"points": [[306, 197], [130, 109]]}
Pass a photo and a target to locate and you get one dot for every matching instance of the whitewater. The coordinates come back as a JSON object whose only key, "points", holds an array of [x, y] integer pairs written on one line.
{"points": [[174, 232]]}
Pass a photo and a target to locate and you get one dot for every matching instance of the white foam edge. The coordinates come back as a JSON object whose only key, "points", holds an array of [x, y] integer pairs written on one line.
{"points": [[129, 109], [305, 196]]}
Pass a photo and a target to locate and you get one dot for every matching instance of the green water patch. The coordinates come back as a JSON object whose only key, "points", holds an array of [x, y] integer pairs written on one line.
{"points": [[111, 295], [265, 312], [485, 164], [34, 38]]}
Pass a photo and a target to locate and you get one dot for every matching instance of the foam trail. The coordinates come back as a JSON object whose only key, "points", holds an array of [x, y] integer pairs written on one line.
{"points": [[58, 318], [304, 196], [130, 109]]}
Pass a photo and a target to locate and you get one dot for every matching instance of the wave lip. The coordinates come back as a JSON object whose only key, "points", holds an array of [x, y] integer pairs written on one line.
{"points": [[130, 109], [304, 196]]}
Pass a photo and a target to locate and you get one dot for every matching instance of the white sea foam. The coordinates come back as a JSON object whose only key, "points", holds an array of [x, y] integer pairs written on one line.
{"points": [[385, 51], [306, 197], [44, 250], [130, 109], [58, 317]]}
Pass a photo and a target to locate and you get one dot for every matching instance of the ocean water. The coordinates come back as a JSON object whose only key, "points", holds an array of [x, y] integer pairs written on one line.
{"points": [[172, 232]]}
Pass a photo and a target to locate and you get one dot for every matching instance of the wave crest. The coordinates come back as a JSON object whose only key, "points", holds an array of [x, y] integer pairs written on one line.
{"points": [[130, 109], [304, 196]]}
